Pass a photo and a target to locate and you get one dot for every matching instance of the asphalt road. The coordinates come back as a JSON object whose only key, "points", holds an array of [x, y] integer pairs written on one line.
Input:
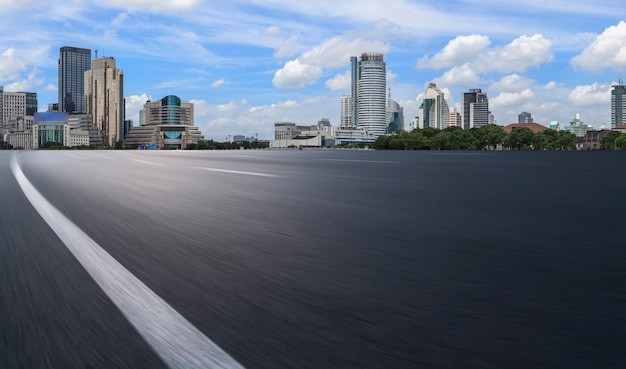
{"points": [[312, 259]]}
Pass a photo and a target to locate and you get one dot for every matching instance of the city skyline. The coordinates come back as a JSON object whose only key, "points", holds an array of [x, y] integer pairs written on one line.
{"points": [[246, 65]]}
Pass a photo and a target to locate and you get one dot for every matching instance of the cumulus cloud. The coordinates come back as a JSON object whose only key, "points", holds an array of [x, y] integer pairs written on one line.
{"points": [[217, 83], [512, 98], [31, 81], [591, 95], [463, 75], [458, 51], [608, 50], [296, 74], [336, 52], [550, 85], [339, 82], [134, 104], [521, 54], [512, 83]]}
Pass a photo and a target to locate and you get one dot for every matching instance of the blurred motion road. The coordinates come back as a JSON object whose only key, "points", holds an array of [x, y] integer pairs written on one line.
{"points": [[324, 259]]}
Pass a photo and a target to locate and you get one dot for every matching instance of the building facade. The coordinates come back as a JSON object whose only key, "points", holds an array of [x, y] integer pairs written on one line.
{"points": [[73, 63], [618, 105], [434, 111], [577, 127], [524, 117], [369, 85], [54, 127], [345, 120], [104, 99], [475, 109], [395, 115], [455, 118], [168, 125]]}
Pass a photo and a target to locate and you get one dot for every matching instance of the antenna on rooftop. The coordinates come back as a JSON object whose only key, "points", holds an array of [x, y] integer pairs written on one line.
{"points": [[96, 53]]}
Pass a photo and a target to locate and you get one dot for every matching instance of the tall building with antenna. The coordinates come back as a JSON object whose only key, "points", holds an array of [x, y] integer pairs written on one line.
{"points": [[618, 104], [104, 98]]}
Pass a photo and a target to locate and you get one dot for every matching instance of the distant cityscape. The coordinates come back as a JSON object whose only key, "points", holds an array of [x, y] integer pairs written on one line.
{"points": [[90, 111]]}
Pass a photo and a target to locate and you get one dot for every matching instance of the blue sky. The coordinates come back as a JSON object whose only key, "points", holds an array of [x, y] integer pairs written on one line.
{"points": [[247, 64]]}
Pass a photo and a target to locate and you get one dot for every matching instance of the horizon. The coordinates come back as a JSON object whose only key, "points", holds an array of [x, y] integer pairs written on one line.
{"points": [[249, 64]]}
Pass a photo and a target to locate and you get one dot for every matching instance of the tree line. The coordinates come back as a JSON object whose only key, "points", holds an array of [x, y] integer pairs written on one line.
{"points": [[489, 137]]}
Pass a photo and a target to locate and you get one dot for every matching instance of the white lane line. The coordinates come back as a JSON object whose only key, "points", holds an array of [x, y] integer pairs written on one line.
{"points": [[173, 338], [105, 157], [145, 162], [239, 172], [367, 161]]}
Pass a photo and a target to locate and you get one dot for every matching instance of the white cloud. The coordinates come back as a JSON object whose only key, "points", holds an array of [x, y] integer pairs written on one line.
{"points": [[119, 19], [272, 31], [288, 48], [32, 80], [151, 5], [134, 104], [227, 107], [550, 85], [463, 75], [339, 82], [458, 51], [217, 83], [521, 54], [336, 52], [512, 83], [591, 95], [11, 66], [608, 50], [512, 98], [51, 87], [296, 74]]}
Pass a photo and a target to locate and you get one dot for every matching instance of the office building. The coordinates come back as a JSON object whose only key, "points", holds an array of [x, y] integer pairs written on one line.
{"points": [[55, 127], [166, 124], [73, 63], [577, 127], [524, 117], [345, 120], [395, 115], [434, 111], [618, 105], [369, 83], [455, 118], [104, 99], [13, 108], [475, 109]]}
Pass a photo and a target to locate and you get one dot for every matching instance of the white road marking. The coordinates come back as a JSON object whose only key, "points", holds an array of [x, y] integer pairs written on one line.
{"points": [[145, 162], [367, 161], [239, 172], [173, 338]]}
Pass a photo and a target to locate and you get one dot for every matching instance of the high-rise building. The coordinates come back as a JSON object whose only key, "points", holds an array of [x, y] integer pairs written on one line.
{"points": [[475, 109], [434, 111], [618, 105], [13, 108], [346, 112], [455, 118], [525, 117], [369, 83], [395, 115], [104, 99], [73, 63]]}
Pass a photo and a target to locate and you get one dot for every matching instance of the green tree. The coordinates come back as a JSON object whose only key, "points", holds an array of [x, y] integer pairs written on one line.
{"points": [[488, 136], [620, 142], [519, 139], [565, 140], [608, 142], [545, 140], [51, 145], [5, 145]]}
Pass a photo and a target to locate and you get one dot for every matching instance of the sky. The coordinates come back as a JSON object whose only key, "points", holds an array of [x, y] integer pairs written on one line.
{"points": [[247, 64]]}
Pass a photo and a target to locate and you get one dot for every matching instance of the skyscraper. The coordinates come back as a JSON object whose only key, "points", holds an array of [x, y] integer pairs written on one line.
{"points": [[369, 83], [395, 115], [346, 112], [73, 63], [434, 111], [618, 105], [104, 98], [475, 109], [525, 117]]}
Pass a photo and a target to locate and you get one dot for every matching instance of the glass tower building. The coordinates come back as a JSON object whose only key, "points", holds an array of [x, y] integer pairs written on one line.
{"points": [[475, 109], [618, 105], [73, 63]]}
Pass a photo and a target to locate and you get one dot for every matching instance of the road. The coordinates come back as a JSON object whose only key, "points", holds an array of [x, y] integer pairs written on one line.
{"points": [[312, 259]]}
